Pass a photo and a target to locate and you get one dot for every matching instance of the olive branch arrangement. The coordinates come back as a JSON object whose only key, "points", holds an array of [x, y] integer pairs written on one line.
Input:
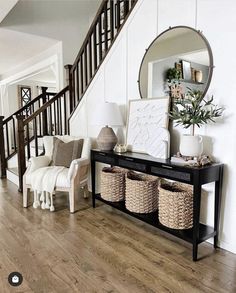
{"points": [[194, 110]]}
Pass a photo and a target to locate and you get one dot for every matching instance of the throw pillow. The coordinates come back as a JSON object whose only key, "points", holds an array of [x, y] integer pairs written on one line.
{"points": [[64, 153]]}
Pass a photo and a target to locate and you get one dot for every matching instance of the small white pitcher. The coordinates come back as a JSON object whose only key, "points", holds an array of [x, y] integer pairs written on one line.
{"points": [[191, 145]]}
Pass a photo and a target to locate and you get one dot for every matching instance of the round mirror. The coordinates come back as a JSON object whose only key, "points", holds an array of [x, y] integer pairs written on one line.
{"points": [[178, 60]]}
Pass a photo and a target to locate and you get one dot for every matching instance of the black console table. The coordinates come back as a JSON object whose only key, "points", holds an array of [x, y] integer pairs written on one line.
{"points": [[196, 176]]}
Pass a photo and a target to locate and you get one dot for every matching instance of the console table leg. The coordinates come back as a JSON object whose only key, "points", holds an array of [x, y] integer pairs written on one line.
{"points": [[93, 181], [195, 250], [196, 215], [218, 192]]}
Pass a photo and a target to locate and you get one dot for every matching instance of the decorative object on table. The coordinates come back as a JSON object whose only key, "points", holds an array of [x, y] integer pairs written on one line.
{"points": [[198, 75], [191, 111], [113, 183], [175, 205], [158, 145], [186, 69], [144, 118], [191, 145], [203, 160], [107, 114], [193, 74], [120, 148], [173, 76], [176, 91], [141, 193]]}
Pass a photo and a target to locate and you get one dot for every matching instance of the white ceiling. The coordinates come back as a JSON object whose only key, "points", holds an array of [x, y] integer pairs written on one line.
{"points": [[17, 47], [5, 7], [33, 26]]}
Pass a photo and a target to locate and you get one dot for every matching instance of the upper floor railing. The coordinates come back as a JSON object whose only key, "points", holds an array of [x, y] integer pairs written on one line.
{"points": [[52, 117], [8, 128]]}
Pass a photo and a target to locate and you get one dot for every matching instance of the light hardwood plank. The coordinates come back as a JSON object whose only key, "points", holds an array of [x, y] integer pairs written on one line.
{"points": [[100, 250]]}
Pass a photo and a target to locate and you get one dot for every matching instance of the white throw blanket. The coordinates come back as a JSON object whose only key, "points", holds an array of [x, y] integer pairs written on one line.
{"points": [[43, 182]]}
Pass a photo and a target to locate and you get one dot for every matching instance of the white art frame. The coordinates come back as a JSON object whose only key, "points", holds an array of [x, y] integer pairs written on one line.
{"points": [[144, 117]]}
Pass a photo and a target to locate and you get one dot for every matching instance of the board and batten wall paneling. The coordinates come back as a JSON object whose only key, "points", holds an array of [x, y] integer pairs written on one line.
{"points": [[148, 19], [115, 74], [79, 126], [221, 36], [115, 81], [177, 12], [141, 31]]}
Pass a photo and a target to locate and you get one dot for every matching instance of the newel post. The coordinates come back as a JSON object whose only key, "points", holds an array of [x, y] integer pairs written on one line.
{"points": [[21, 150], [2, 150], [69, 82], [45, 117]]}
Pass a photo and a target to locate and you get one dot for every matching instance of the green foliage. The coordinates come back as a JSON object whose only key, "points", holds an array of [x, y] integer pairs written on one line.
{"points": [[194, 110], [173, 73]]}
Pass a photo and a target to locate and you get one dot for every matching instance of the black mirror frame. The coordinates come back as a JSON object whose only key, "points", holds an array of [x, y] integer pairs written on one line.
{"points": [[211, 66]]}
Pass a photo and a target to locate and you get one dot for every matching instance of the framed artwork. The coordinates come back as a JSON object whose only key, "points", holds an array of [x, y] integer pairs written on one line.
{"points": [[186, 70], [145, 116]]}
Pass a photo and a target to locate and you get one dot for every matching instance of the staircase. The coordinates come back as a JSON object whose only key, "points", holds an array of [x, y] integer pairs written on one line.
{"points": [[49, 113]]}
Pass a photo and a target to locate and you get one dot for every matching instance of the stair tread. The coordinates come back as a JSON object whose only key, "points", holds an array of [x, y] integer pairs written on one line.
{"points": [[13, 170]]}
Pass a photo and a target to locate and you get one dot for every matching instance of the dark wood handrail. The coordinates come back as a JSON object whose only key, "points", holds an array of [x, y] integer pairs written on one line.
{"points": [[45, 106], [8, 131], [51, 117], [25, 107], [106, 26], [90, 31]]}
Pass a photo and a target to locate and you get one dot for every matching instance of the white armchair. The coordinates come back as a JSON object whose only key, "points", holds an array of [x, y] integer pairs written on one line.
{"points": [[70, 180]]}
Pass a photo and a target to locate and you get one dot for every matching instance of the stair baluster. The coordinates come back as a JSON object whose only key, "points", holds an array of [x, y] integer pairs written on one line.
{"points": [[2, 149], [44, 114], [21, 149]]}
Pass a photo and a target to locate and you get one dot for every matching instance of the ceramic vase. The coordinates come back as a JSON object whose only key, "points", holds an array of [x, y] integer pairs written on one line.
{"points": [[106, 139], [191, 145], [198, 75]]}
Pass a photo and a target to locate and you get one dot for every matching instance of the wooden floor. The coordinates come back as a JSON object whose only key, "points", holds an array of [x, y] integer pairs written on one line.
{"points": [[100, 250]]}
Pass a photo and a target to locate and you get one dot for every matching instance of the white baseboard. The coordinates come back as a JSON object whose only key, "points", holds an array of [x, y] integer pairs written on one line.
{"points": [[13, 178]]}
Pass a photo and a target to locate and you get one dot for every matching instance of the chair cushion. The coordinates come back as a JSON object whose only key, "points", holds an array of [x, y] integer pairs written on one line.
{"points": [[64, 153], [62, 179], [48, 144]]}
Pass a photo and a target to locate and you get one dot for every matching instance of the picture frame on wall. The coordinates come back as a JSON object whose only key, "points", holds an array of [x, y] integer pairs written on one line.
{"points": [[186, 70], [145, 116], [178, 66]]}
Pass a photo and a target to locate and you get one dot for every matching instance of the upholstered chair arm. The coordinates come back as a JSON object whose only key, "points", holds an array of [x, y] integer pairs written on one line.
{"points": [[37, 162], [77, 165]]}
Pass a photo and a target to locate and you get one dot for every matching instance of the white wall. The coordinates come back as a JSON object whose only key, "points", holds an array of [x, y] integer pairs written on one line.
{"points": [[35, 91], [117, 81], [65, 21], [6, 6], [50, 59]]}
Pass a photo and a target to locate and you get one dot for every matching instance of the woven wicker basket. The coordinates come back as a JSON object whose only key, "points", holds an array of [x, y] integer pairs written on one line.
{"points": [[175, 205], [113, 183], [141, 193]]}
